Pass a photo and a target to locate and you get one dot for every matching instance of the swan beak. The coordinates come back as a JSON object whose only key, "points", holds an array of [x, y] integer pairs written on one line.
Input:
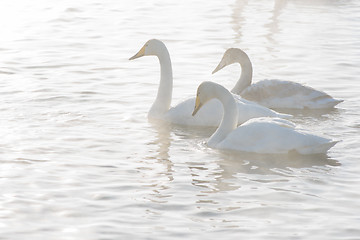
{"points": [[139, 54], [198, 105], [219, 67]]}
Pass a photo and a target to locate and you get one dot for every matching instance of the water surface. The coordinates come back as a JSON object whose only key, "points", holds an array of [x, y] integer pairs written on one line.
{"points": [[79, 159]]}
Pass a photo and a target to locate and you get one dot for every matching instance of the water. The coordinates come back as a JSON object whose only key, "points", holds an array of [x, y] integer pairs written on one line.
{"points": [[79, 159]]}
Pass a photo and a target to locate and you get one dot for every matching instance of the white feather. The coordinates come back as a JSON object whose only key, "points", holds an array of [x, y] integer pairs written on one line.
{"points": [[259, 135], [273, 93], [182, 113]]}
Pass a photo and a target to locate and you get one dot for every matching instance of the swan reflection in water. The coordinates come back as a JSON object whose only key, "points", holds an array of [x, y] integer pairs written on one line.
{"points": [[238, 20], [162, 141], [213, 170], [257, 167]]}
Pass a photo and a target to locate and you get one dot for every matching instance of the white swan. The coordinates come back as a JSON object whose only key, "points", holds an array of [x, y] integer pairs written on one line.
{"points": [[273, 93], [181, 114], [260, 135]]}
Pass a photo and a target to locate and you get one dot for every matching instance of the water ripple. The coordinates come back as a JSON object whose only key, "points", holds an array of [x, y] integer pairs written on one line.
{"points": [[79, 159]]}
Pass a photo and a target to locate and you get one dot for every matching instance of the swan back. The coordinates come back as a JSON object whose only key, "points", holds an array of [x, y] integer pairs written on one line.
{"points": [[274, 93], [264, 135]]}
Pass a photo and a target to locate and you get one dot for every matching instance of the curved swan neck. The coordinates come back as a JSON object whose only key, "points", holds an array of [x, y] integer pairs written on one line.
{"points": [[230, 116], [245, 76], [163, 99]]}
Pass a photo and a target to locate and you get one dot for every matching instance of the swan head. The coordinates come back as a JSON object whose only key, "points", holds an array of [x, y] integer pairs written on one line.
{"points": [[151, 47], [205, 92], [233, 55]]}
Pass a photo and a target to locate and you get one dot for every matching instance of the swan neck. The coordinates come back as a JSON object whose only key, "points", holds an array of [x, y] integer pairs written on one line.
{"points": [[245, 77], [164, 95], [229, 120]]}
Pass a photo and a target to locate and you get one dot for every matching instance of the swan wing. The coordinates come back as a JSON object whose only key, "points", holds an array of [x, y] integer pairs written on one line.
{"points": [[248, 110], [278, 121], [274, 137], [211, 113], [286, 94]]}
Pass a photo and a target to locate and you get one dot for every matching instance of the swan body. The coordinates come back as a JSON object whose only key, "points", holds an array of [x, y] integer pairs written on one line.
{"points": [[274, 93], [258, 135], [181, 114]]}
